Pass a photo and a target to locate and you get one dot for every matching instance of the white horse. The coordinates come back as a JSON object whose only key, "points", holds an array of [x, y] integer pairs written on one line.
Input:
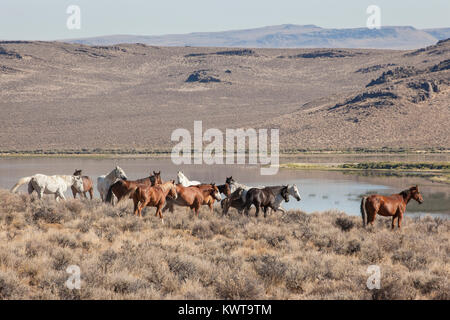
{"points": [[184, 181], [292, 189], [56, 185], [105, 181]]}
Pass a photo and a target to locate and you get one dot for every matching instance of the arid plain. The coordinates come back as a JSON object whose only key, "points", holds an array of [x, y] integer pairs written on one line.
{"points": [[59, 96]]}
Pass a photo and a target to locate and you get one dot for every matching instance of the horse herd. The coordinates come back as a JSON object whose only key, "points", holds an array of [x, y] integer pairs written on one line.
{"points": [[152, 191]]}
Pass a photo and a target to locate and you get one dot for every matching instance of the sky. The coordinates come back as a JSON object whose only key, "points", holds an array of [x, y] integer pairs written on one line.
{"points": [[47, 19]]}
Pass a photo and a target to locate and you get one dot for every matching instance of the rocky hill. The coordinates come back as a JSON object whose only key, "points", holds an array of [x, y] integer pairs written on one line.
{"points": [[61, 96]]}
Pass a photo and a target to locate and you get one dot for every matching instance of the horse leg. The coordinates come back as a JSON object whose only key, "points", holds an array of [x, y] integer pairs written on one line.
{"points": [[61, 195], [74, 192], [400, 218], [393, 221], [258, 207], [91, 193], [158, 210], [265, 209]]}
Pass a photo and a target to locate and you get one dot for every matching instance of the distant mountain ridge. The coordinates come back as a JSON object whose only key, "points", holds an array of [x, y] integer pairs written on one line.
{"points": [[288, 36]]}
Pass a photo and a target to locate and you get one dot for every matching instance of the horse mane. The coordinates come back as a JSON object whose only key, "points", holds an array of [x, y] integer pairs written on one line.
{"points": [[406, 193]]}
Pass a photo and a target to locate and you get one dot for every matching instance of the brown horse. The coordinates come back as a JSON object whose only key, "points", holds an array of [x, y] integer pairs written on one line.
{"points": [[389, 206], [88, 185], [192, 197], [208, 197], [153, 196], [125, 188]]}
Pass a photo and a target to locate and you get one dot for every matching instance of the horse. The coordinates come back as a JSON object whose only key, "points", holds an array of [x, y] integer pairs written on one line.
{"points": [[125, 188], [208, 197], [292, 191], [182, 179], [153, 196], [225, 189], [264, 198], [43, 184], [191, 197], [389, 206], [105, 181], [233, 200], [239, 205], [88, 185]]}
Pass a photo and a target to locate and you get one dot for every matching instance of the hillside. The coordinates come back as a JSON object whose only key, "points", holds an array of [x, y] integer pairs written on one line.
{"points": [[288, 36], [60, 96]]}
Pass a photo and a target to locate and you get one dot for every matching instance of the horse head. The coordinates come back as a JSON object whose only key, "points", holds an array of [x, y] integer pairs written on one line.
{"points": [[415, 194], [157, 176], [293, 191], [173, 190], [119, 173], [215, 192], [285, 193], [229, 180], [77, 183], [77, 172]]}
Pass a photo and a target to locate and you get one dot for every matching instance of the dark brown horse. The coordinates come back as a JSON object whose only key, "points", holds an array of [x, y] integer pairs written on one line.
{"points": [[88, 185], [233, 200], [264, 198], [153, 196], [123, 189], [192, 197], [389, 206]]}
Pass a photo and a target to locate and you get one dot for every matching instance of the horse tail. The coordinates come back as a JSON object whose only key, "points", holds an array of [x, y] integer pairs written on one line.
{"points": [[109, 195], [22, 181], [363, 211]]}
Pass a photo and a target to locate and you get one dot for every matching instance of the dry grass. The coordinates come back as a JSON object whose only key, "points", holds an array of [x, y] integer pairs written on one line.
{"points": [[295, 256]]}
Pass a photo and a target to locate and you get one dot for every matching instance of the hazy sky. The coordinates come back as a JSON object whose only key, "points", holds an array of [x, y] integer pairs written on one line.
{"points": [[46, 19]]}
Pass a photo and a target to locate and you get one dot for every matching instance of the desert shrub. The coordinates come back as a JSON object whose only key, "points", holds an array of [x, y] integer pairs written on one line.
{"points": [[202, 230], [410, 259], [106, 259], [353, 246], [270, 269], [233, 285], [182, 266], [48, 215], [61, 259], [344, 223]]}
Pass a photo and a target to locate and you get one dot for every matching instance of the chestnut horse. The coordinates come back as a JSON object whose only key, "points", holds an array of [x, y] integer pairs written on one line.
{"points": [[88, 185], [125, 188], [153, 196], [209, 199], [389, 206], [192, 197]]}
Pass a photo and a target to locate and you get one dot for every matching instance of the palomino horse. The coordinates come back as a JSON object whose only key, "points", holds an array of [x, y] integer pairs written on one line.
{"points": [[389, 206], [153, 196], [105, 181], [88, 185], [264, 198], [182, 179], [125, 188], [44, 184], [191, 197]]}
